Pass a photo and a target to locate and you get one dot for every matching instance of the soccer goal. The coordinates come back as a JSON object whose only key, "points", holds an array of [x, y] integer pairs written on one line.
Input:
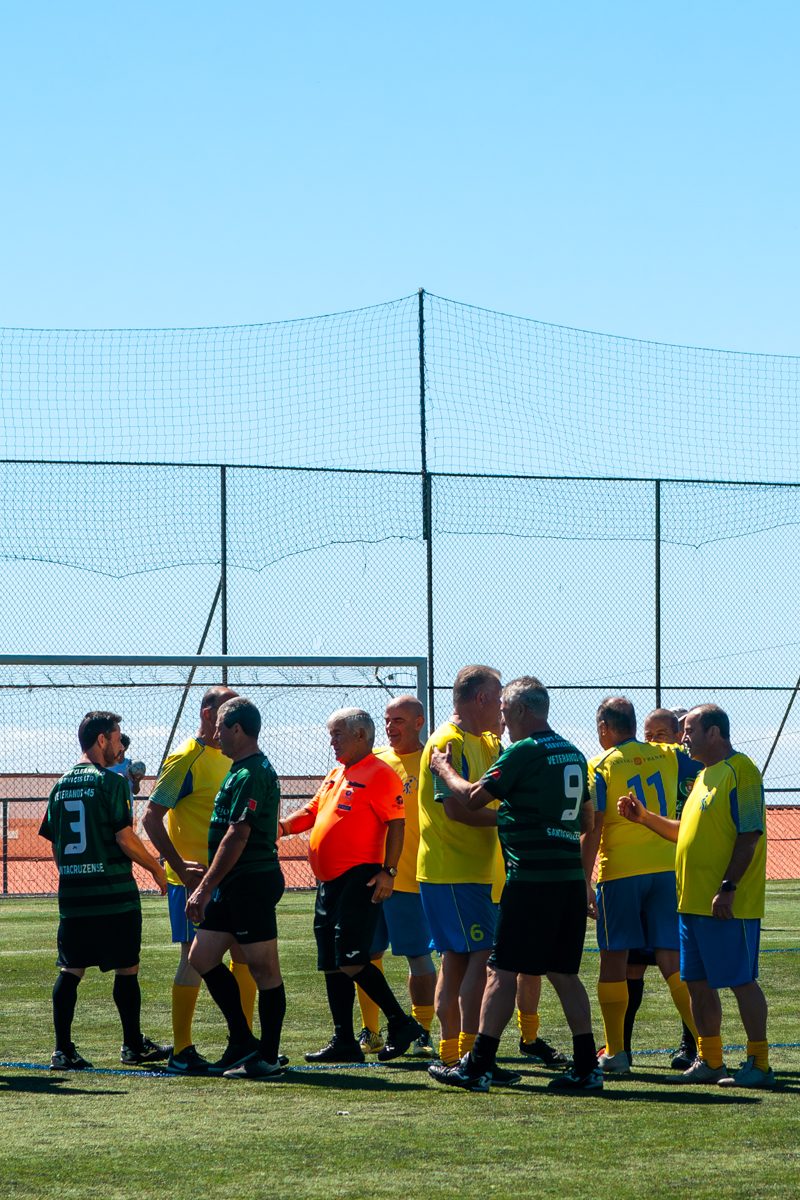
{"points": [[158, 700]]}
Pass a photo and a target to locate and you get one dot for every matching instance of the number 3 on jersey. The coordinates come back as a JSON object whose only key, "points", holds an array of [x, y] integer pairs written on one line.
{"points": [[573, 790], [657, 783]]}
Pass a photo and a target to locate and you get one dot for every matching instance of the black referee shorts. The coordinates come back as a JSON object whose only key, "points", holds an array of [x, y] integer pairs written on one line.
{"points": [[541, 928], [112, 942], [345, 919], [245, 907]]}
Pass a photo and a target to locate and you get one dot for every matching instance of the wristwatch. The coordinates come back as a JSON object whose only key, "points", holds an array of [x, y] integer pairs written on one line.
{"points": [[727, 885], [390, 871]]}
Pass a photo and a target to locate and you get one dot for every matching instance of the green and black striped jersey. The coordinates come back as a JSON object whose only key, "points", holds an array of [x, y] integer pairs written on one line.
{"points": [[542, 784], [87, 808]]}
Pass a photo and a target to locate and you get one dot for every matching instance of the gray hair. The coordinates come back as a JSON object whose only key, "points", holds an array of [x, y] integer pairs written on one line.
{"points": [[530, 692], [353, 719]]}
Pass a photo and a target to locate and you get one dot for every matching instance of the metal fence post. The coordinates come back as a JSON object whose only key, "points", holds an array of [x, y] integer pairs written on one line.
{"points": [[5, 847], [427, 510], [223, 565], [658, 592]]}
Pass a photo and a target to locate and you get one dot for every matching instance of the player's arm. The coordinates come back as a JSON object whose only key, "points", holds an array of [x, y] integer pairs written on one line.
{"points": [[632, 809], [742, 855], [298, 821], [382, 881], [590, 844], [131, 844], [466, 802], [228, 853], [189, 873]]}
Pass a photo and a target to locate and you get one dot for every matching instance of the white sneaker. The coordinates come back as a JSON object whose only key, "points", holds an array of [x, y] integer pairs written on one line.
{"points": [[701, 1072], [614, 1064]]}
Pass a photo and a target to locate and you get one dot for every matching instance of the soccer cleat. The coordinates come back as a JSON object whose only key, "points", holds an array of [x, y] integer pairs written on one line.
{"points": [[148, 1052], [614, 1064], [370, 1042], [541, 1052], [684, 1056], [750, 1076], [571, 1081], [399, 1037], [337, 1051], [187, 1062], [463, 1075], [701, 1072], [255, 1068], [422, 1047], [69, 1060], [234, 1055], [503, 1078], [283, 1060]]}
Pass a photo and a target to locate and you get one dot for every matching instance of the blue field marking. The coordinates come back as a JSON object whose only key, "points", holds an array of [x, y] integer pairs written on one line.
{"points": [[313, 1067]]}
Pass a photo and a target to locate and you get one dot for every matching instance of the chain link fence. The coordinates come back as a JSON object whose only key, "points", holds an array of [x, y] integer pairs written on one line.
{"points": [[420, 478]]}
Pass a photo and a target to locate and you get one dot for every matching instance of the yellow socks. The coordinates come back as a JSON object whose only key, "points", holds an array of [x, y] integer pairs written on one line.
{"points": [[424, 1014], [448, 1051], [184, 1001], [680, 998], [760, 1052], [528, 1025], [247, 989], [613, 999], [370, 1013], [465, 1043], [710, 1050]]}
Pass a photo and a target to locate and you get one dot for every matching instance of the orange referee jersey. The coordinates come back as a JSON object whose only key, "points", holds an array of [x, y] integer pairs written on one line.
{"points": [[351, 808]]}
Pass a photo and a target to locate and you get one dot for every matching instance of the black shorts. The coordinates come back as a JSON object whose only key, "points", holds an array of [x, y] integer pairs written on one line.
{"points": [[345, 919], [112, 942], [541, 928], [245, 907], [641, 958]]}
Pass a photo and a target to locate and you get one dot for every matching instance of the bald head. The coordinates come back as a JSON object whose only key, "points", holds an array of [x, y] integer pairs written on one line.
{"points": [[404, 719]]}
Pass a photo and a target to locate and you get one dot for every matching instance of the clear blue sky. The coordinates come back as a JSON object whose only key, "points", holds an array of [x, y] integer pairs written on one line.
{"points": [[626, 167]]}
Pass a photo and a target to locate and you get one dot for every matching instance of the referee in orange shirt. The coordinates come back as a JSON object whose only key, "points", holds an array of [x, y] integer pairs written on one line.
{"points": [[356, 820]]}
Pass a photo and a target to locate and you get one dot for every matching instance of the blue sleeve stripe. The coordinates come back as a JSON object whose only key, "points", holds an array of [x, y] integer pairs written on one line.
{"points": [[600, 792]]}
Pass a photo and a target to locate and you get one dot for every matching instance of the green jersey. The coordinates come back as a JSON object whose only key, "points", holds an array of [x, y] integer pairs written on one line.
{"points": [[86, 809], [250, 792], [541, 782]]}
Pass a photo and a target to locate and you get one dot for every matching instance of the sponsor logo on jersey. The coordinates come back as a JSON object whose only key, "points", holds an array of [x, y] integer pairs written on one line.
{"points": [[252, 805], [344, 808]]}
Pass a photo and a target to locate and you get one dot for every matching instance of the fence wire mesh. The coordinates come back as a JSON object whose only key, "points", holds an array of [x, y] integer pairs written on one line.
{"points": [[420, 478]]}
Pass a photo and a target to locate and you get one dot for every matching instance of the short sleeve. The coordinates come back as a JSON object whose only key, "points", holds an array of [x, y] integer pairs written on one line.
{"points": [[747, 797], [174, 781], [499, 780], [598, 790], [386, 795], [118, 800], [459, 760]]}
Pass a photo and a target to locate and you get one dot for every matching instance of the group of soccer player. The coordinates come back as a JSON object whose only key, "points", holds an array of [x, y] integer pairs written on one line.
{"points": [[482, 853]]}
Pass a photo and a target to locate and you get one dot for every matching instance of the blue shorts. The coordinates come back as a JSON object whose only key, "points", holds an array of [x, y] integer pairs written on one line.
{"points": [[461, 916], [182, 928], [402, 925], [640, 910], [724, 953]]}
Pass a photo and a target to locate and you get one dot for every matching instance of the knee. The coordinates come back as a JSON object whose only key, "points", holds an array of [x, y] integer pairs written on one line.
{"points": [[421, 964]]}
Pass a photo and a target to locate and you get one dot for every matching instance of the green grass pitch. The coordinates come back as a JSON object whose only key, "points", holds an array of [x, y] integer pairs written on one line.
{"points": [[380, 1131]]}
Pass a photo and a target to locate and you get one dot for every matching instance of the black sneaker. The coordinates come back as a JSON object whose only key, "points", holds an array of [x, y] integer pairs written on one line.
{"points": [[541, 1052], [399, 1037], [571, 1081], [187, 1062], [463, 1075], [234, 1055], [503, 1078], [255, 1068], [684, 1056], [337, 1051], [148, 1052], [69, 1060]]}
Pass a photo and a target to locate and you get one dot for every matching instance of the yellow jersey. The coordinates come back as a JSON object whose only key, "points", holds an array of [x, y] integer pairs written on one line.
{"points": [[407, 767], [187, 785], [726, 800], [654, 774], [450, 852]]}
